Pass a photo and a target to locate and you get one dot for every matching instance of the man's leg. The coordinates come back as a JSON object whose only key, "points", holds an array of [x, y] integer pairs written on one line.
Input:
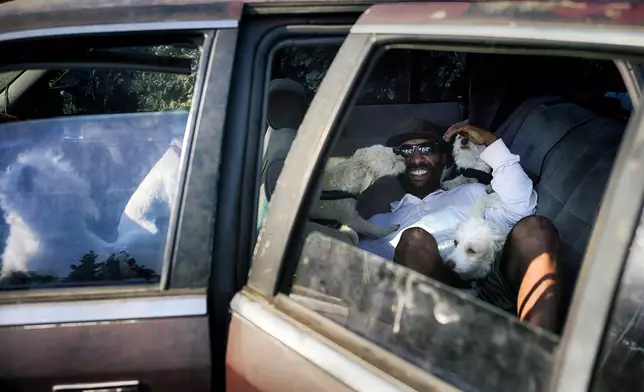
{"points": [[529, 265], [418, 250]]}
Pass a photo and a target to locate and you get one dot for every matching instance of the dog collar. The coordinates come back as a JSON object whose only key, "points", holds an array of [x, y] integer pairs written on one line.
{"points": [[479, 175]]}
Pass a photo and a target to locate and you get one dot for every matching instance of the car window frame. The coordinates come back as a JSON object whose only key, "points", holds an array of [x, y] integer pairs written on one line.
{"points": [[274, 250], [253, 118], [185, 273]]}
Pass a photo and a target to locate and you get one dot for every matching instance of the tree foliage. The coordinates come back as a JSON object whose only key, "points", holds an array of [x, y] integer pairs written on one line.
{"points": [[99, 91], [118, 266]]}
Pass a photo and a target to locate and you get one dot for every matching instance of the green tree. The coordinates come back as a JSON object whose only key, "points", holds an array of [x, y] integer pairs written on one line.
{"points": [[88, 269]]}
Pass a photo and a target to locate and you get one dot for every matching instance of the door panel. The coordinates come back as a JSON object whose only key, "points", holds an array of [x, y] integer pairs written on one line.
{"points": [[163, 355], [329, 368], [256, 362]]}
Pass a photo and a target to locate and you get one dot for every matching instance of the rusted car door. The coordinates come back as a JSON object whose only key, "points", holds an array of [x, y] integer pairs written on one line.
{"points": [[292, 326], [153, 335]]}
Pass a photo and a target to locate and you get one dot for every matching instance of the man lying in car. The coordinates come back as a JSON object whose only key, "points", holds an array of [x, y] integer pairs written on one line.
{"points": [[523, 280]]}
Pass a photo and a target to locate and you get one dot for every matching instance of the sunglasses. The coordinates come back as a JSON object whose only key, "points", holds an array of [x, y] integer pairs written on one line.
{"points": [[427, 148]]}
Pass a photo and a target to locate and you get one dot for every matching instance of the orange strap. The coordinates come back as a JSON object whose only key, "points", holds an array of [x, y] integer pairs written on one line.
{"points": [[540, 276]]}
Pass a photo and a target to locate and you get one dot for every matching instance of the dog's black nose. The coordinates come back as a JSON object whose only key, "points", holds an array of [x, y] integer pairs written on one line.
{"points": [[450, 264], [464, 141]]}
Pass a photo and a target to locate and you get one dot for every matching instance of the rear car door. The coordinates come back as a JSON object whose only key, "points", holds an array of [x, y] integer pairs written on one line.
{"points": [[311, 303], [113, 119]]}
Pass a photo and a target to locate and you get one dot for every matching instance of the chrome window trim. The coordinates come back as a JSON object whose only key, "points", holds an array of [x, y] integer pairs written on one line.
{"points": [[54, 313], [632, 79], [611, 233], [121, 28], [358, 375], [542, 33]]}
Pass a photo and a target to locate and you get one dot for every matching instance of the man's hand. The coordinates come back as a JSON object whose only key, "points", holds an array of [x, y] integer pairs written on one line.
{"points": [[475, 134]]}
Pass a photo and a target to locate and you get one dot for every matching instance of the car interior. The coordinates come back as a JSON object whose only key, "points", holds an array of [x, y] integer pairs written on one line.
{"points": [[564, 117]]}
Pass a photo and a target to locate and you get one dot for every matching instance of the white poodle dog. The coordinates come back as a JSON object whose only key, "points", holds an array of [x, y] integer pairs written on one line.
{"points": [[469, 165], [477, 242], [46, 204], [352, 177]]}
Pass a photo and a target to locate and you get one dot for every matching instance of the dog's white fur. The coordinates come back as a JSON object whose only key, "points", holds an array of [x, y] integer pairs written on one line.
{"points": [[354, 176], [477, 240], [46, 204], [466, 156]]}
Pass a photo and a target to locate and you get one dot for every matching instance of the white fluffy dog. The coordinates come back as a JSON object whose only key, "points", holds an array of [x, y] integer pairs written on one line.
{"points": [[469, 165], [352, 177], [46, 204], [477, 242]]}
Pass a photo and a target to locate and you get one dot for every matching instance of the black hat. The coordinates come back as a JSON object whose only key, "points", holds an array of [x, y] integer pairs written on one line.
{"points": [[416, 128]]}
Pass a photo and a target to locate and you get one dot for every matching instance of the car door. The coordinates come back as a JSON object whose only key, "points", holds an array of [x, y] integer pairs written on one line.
{"points": [[117, 116], [322, 323]]}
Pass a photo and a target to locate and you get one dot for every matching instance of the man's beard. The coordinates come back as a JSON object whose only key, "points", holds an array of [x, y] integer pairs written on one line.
{"points": [[424, 188]]}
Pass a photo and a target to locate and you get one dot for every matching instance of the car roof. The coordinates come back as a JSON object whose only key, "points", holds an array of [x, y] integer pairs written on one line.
{"points": [[588, 13], [21, 15]]}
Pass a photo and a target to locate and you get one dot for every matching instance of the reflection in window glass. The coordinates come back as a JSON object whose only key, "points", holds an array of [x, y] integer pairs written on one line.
{"points": [[455, 337], [89, 172], [621, 359]]}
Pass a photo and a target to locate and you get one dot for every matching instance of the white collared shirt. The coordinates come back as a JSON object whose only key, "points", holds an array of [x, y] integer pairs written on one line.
{"points": [[440, 212]]}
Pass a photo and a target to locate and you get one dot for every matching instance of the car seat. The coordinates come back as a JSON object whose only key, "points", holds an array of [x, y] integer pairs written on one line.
{"points": [[286, 108]]}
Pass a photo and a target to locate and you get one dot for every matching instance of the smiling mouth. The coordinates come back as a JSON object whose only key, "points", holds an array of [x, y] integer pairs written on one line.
{"points": [[418, 172]]}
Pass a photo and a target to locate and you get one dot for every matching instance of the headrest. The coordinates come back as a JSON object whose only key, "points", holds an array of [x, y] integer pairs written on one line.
{"points": [[287, 104]]}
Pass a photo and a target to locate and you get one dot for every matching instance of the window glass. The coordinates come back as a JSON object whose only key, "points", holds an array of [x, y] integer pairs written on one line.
{"points": [[461, 257], [621, 357], [400, 76], [427, 323], [89, 167], [7, 77]]}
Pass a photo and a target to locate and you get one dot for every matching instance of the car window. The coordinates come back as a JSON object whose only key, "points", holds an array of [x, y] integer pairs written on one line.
{"points": [[362, 255], [7, 77], [89, 165], [401, 77], [428, 324], [621, 356]]}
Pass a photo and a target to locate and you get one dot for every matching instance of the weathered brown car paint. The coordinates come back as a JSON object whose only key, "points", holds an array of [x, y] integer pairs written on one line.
{"points": [[607, 13], [256, 361], [170, 354], [39, 14]]}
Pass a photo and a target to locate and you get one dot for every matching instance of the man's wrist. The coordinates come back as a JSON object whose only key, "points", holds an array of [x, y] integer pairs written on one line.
{"points": [[489, 139]]}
